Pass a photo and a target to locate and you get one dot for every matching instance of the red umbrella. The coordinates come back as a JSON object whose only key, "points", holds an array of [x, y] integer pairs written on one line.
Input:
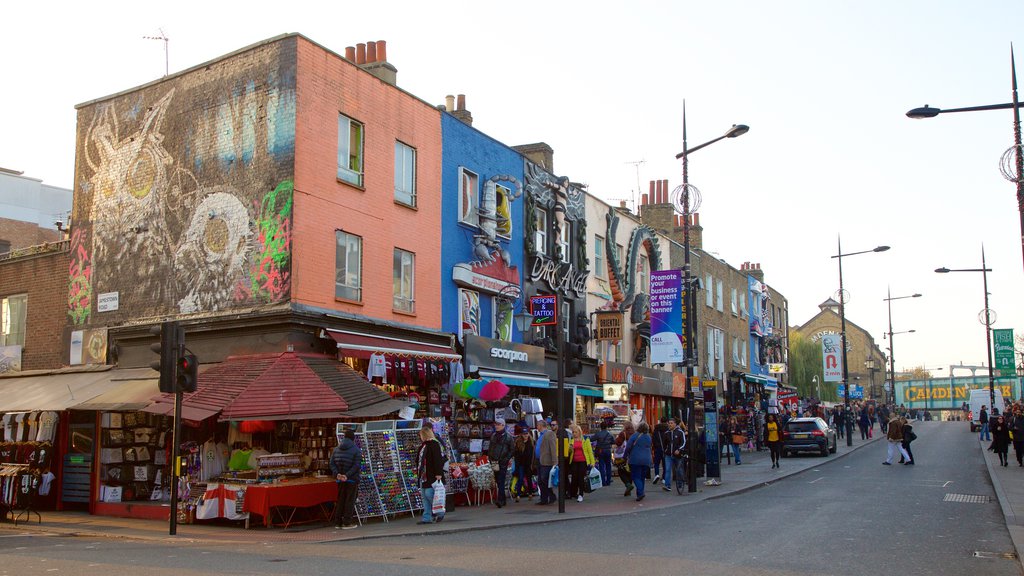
{"points": [[492, 391]]}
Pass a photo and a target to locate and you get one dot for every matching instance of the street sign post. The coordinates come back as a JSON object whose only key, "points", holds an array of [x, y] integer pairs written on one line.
{"points": [[1002, 341]]}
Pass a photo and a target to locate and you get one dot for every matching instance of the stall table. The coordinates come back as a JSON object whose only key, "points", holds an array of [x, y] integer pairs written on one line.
{"points": [[284, 499]]}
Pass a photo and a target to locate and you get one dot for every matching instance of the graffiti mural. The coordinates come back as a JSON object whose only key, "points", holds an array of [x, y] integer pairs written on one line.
{"points": [[185, 192], [626, 293]]}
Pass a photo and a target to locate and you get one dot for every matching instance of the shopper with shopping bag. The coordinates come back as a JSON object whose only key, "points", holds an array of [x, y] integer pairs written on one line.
{"points": [[579, 456], [547, 458], [429, 471]]}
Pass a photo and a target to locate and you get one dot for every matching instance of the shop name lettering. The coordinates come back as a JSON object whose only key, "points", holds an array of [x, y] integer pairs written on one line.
{"points": [[619, 375], [510, 355], [561, 281], [921, 393]]}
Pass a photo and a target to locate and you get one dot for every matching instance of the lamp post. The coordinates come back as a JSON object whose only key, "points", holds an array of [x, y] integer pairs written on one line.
{"points": [[682, 203], [892, 363], [1013, 172], [869, 364], [817, 386], [842, 319], [987, 322], [892, 369]]}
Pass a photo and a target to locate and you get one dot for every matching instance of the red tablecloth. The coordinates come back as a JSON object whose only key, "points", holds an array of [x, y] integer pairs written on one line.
{"points": [[259, 499]]}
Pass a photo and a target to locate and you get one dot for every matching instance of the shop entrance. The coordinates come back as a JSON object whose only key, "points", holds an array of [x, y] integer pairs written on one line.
{"points": [[76, 473]]}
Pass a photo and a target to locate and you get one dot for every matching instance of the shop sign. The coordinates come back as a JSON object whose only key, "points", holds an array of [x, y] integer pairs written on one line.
{"points": [[856, 392], [776, 368], [832, 358], [561, 278], [609, 326], [465, 276], [501, 355], [641, 380], [616, 393], [544, 310], [1002, 342], [666, 309]]}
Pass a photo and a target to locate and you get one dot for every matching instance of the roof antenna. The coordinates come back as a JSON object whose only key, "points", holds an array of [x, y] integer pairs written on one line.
{"points": [[162, 36], [636, 164]]}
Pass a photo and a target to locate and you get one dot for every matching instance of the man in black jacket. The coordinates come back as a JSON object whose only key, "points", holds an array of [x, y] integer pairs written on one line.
{"points": [[345, 462], [673, 440], [500, 452]]}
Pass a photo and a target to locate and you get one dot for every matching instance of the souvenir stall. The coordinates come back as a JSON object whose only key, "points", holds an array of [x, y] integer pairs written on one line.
{"points": [[26, 456]]}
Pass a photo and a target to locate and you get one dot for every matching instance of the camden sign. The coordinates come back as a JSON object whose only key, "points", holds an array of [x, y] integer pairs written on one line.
{"points": [[560, 277]]}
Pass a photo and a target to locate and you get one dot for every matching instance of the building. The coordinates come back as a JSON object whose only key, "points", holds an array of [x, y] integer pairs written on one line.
{"points": [[865, 360], [31, 213]]}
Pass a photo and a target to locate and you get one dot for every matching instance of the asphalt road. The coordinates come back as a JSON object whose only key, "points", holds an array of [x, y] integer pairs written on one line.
{"points": [[848, 516]]}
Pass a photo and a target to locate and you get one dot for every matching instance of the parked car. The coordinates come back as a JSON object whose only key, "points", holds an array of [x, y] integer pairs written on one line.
{"points": [[808, 435]]}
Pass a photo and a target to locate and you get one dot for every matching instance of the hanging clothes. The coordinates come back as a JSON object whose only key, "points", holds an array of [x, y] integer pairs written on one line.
{"points": [[378, 368], [456, 375]]}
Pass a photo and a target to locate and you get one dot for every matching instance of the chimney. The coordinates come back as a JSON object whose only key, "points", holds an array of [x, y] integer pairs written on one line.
{"points": [[622, 204], [460, 111], [449, 103], [372, 57], [643, 200], [538, 153], [350, 53], [655, 212], [696, 233], [755, 271]]}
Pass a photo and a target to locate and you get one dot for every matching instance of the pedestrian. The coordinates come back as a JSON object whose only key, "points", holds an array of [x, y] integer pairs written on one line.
{"points": [[345, 461], [525, 464], [546, 454], [579, 456], [773, 436], [638, 453], [1001, 439], [983, 418], [500, 453], [660, 464], [862, 423], [621, 458], [737, 437], [429, 469], [838, 420], [894, 438], [908, 437], [604, 442], [674, 442], [1017, 433]]}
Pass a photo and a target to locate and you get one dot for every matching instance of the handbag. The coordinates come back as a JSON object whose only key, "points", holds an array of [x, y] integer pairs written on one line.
{"points": [[739, 439]]}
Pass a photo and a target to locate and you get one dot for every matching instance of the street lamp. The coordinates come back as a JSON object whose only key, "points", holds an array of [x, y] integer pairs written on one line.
{"points": [[682, 203], [987, 322], [817, 386], [1012, 172], [842, 318], [870, 365], [892, 363]]}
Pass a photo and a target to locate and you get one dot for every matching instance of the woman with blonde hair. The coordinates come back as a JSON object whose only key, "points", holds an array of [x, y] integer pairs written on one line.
{"points": [[429, 469], [579, 455]]}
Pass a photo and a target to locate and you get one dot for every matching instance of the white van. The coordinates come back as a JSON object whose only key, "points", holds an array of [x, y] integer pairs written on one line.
{"points": [[978, 398]]}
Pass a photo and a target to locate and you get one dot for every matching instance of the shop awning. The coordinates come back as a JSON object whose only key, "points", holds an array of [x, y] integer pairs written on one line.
{"points": [[362, 345], [594, 392], [53, 389], [517, 378], [758, 379], [134, 389]]}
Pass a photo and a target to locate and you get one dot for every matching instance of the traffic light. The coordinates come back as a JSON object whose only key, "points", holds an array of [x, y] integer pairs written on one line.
{"points": [[573, 359], [167, 349], [188, 372]]}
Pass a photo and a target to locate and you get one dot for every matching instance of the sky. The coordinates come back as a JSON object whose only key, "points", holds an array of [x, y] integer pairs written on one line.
{"points": [[824, 87]]}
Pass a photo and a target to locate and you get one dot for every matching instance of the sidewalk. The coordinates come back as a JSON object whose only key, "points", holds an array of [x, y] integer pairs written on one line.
{"points": [[755, 472], [1009, 491]]}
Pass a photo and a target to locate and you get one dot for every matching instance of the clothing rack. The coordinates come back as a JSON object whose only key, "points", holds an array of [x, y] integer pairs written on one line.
{"points": [[19, 487]]}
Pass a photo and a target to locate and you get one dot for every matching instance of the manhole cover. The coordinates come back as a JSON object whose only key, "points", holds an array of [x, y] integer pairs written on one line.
{"points": [[966, 498], [1005, 555]]}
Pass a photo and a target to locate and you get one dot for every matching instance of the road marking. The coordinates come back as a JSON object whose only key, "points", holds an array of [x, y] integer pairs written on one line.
{"points": [[947, 483], [813, 481]]}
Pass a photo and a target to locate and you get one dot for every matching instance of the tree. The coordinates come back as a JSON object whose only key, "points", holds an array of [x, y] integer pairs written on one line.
{"points": [[805, 362], [915, 373]]}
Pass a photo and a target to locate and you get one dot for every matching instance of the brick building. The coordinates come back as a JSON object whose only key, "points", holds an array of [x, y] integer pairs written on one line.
{"points": [[31, 213], [33, 298]]}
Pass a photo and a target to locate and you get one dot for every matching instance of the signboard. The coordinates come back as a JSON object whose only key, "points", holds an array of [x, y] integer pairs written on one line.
{"points": [[609, 326], [501, 355], [712, 452], [641, 380], [544, 310], [1002, 342], [832, 357], [616, 392], [777, 368], [787, 399], [107, 302], [10, 359], [856, 392], [666, 317], [946, 393]]}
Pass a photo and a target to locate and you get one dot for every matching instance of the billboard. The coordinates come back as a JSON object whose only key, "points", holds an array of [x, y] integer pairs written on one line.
{"points": [[832, 357], [666, 317]]}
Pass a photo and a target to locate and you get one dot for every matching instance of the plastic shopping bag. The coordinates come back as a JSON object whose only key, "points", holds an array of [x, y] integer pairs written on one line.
{"points": [[595, 478], [437, 506], [553, 478]]}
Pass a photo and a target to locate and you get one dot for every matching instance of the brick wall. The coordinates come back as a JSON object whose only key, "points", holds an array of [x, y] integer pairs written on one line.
{"points": [[44, 277], [22, 234]]}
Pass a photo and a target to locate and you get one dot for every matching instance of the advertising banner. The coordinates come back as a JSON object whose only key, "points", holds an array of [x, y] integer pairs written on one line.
{"points": [[1002, 342], [951, 393], [666, 317], [832, 357]]}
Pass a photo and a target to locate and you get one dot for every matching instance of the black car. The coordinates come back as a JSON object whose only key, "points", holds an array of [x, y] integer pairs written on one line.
{"points": [[808, 435]]}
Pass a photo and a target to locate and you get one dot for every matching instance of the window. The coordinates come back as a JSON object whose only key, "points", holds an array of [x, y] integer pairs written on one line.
{"points": [[540, 235], [710, 342], [13, 310], [563, 240], [733, 301], [503, 211], [405, 174], [718, 294], [599, 268], [735, 350], [743, 352], [5, 246], [469, 313], [709, 292], [348, 266], [502, 310], [469, 191], [564, 321], [642, 276], [350, 150], [404, 284], [743, 305], [621, 253]]}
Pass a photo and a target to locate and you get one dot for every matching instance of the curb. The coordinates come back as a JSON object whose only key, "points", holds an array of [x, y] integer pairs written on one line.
{"points": [[1015, 530]]}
